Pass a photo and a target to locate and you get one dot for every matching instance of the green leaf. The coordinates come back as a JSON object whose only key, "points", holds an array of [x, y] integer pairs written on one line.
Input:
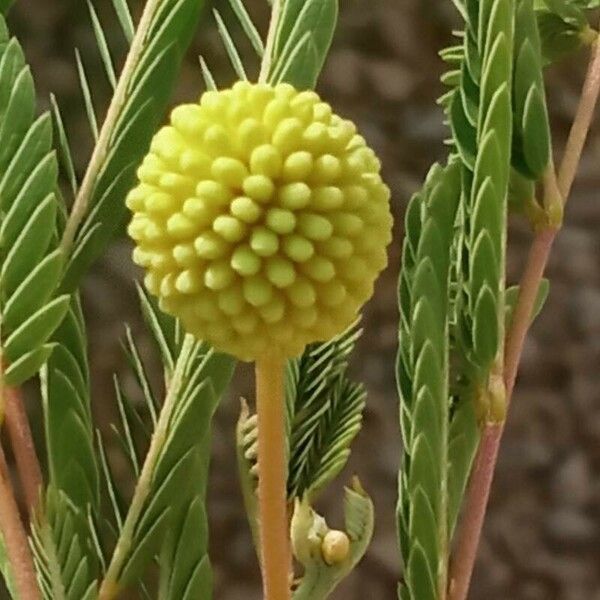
{"points": [[484, 264], [248, 26], [465, 135], [33, 292], [125, 19], [536, 134], [209, 80], [73, 462], [512, 296], [70, 448], [18, 114], [419, 576], [179, 473], [189, 572], [35, 145], [485, 211], [63, 145], [425, 469], [30, 246], [27, 365], [423, 376], [317, 18], [171, 28], [308, 530], [39, 185], [87, 94], [531, 142], [102, 46], [61, 555], [230, 48], [324, 411], [147, 546], [164, 329], [485, 327], [462, 446], [426, 334], [423, 526], [5, 5], [11, 64], [563, 28], [37, 328]]}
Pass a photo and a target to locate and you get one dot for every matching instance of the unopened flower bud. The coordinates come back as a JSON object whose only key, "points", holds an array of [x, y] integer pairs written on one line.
{"points": [[335, 547]]}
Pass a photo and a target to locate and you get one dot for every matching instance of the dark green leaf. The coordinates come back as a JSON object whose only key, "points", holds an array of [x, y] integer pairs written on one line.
{"points": [[485, 327], [419, 577], [462, 445], [512, 296], [318, 18], [37, 328], [27, 365], [170, 33], [34, 290], [30, 246], [536, 134]]}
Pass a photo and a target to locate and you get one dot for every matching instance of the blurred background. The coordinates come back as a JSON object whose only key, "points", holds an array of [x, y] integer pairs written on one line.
{"points": [[542, 535]]}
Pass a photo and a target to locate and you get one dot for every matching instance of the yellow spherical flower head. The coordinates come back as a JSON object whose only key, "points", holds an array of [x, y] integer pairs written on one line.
{"points": [[261, 219]]}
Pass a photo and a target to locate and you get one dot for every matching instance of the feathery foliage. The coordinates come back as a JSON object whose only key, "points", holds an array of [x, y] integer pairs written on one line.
{"points": [[66, 569], [74, 494], [324, 411], [72, 501], [45, 253], [452, 295], [68, 422], [141, 97], [304, 33], [173, 508], [424, 382], [531, 135], [323, 416], [30, 308], [481, 121]]}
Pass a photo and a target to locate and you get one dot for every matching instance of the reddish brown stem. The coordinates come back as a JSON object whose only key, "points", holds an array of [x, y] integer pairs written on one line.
{"points": [[469, 533], [581, 124], [537, 260], [476, 501], [15, 539], [28, 467]]}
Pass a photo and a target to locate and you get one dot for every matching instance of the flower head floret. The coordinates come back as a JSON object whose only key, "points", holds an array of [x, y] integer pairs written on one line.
{"points": [[261, 219]]}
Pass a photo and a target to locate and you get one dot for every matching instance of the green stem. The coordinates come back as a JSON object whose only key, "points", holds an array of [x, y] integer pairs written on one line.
{"points": [[109, 588], [81, 203]]}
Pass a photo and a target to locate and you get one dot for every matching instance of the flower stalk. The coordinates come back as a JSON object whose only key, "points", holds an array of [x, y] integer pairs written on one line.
{"points": [[274, 539]]}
